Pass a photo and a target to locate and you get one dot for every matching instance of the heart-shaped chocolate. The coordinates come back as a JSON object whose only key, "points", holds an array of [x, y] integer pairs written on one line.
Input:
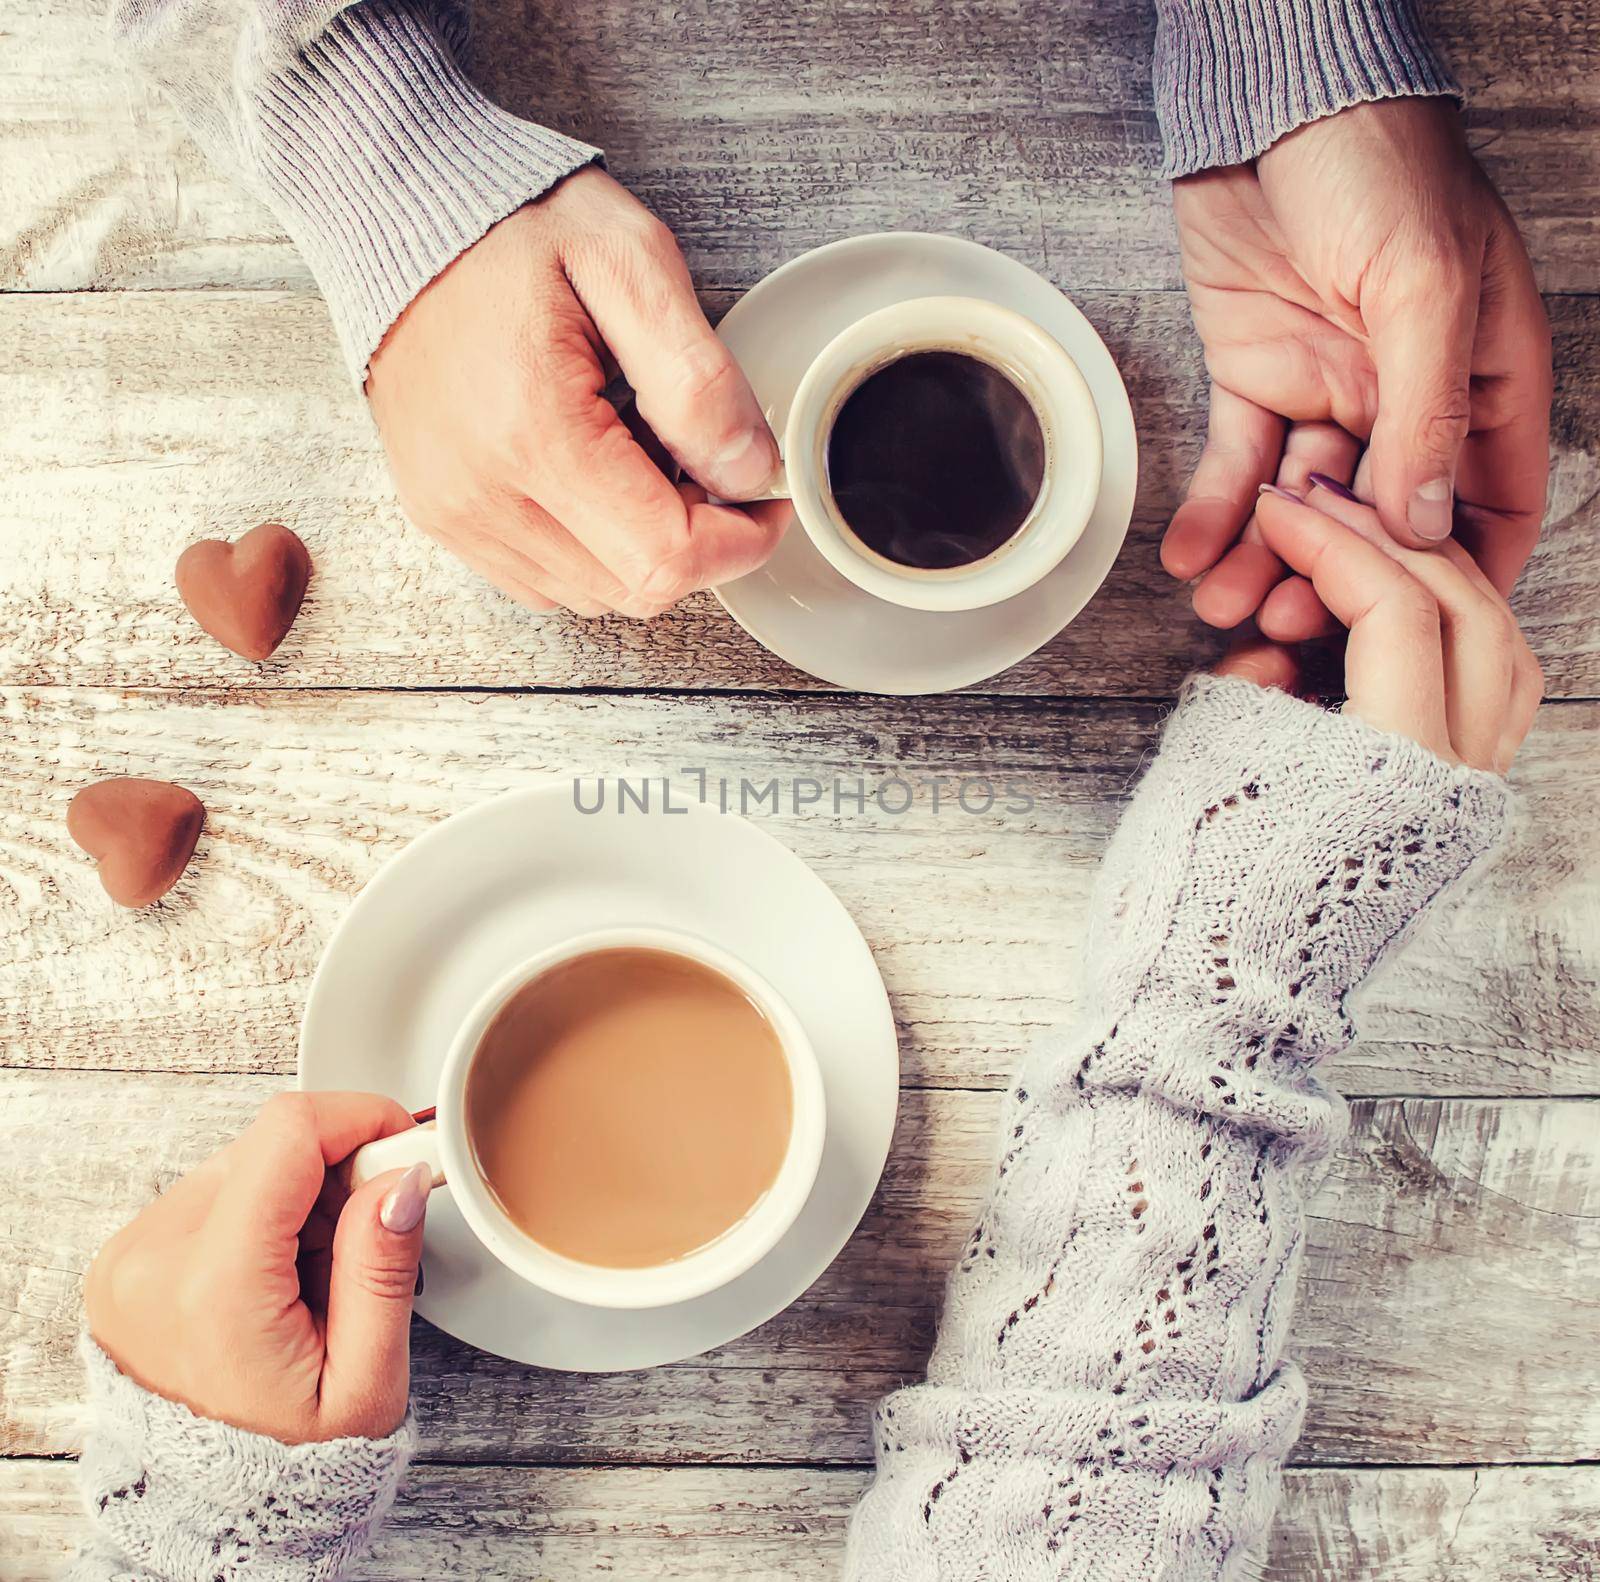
{"points": [[246, 595], [140, 832]]}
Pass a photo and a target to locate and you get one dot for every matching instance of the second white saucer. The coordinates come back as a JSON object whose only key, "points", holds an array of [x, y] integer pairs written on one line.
{"points": [[797, 605], [446, 917]]}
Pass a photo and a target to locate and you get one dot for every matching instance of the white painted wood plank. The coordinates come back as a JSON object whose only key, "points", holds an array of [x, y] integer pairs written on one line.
{"points": [[1026, 123], [1533, 1524], [976, 918], [137, 423], [1447, 1312]]}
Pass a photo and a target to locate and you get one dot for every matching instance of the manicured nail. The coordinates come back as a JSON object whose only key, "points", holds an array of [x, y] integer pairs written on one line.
{"points": [[1429, 512], [1282, 494], [408, 1197], [1322, 481], [746, 467]]}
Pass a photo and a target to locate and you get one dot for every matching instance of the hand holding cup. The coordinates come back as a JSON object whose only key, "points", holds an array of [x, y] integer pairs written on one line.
{"points": [[258, 1293]]}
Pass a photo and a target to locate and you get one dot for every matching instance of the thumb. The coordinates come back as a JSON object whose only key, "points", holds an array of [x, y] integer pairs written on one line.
{"points": [[377, 1247], [690, 390], [1422, 350]]}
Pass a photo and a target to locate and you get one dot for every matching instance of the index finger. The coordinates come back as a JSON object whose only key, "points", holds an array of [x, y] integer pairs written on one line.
{"points": [[1244, 444], [275, 1168], [600, 485], [1394, 660]]}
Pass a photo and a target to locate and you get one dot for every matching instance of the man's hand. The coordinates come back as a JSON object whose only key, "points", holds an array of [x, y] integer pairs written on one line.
{"points": [[488, 394], [1360, 285]]}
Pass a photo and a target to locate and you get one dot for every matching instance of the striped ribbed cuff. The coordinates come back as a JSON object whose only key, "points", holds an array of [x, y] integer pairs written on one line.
{"points": [[1233, 76], [385, 163]]}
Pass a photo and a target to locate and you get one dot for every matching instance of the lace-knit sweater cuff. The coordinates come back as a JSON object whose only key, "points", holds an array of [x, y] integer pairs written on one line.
{"points": [[1274, 852], [1108, 1397], [181, 1498], [1046, 1485]]}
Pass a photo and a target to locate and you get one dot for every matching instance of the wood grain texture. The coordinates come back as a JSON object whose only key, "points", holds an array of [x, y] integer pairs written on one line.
{"points": [[976, 918], [137, 423], [1026, 124], [1449, 1304], [648, 1524], [1447, 1309]]}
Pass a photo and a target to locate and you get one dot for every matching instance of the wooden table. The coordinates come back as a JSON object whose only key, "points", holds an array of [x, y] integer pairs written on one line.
{"points": [[167, 372]]}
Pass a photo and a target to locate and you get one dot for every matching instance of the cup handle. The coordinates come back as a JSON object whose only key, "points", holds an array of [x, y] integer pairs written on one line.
{"points": [[417, 1145]]}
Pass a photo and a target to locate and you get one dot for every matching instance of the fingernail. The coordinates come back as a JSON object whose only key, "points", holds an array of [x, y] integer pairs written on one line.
{"points": [[1429, 512], [1322, 481], [1282, 494], [408, 1197], [746, 466]]}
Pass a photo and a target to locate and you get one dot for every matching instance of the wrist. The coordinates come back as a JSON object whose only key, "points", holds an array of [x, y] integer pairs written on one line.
{"points": [[1274, 853], [186, 1498], [385, 163], [1234, 76]]}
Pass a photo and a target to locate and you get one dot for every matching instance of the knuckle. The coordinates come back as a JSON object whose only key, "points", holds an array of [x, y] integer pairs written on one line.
{"points": [[704, 383], [385, 1281], [1416, 609], [132, 1279], [706, 370], [295, 1112], [520, 449], [628, 245], [651, 236], [1524, 661], [1429, 269], [1451, 275], [1506, 638], [197, 1296], [671, 580], [1445, 425]]}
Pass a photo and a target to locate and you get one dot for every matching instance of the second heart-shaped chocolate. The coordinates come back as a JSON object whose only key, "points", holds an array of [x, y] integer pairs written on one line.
{"points": [[246, 595], [140, 832]]}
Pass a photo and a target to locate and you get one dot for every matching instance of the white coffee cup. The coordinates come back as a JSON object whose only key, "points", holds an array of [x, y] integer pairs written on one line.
{"points": [[1035, 363], [443, 1144]]}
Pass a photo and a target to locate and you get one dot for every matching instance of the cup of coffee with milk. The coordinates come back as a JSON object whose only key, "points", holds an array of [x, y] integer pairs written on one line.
{"points": [[630, 1119], [943, 453]]}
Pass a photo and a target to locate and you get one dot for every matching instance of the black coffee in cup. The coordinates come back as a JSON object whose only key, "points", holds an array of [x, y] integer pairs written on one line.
{"points": [[935, 460]]}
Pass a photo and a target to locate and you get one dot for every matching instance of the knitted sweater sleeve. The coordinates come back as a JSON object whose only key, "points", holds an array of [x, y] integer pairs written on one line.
{"points": [[357, 126], [1233, 76], [173, 1497], [1108, 1397]]}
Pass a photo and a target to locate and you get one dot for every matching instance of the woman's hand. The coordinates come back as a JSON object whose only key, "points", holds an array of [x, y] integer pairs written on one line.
{"points": [[1434, 652], [256, 1294], [488, 394], [1360, 283]]}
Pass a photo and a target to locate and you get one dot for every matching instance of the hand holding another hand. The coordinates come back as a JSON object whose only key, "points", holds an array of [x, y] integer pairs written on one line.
{"points": [[1433, 653], [488, 392], [1360, 285], [258, 1294]]}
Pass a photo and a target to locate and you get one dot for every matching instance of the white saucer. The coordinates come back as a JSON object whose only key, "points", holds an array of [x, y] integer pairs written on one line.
{"points": [[489, 887], [797, 605]]}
